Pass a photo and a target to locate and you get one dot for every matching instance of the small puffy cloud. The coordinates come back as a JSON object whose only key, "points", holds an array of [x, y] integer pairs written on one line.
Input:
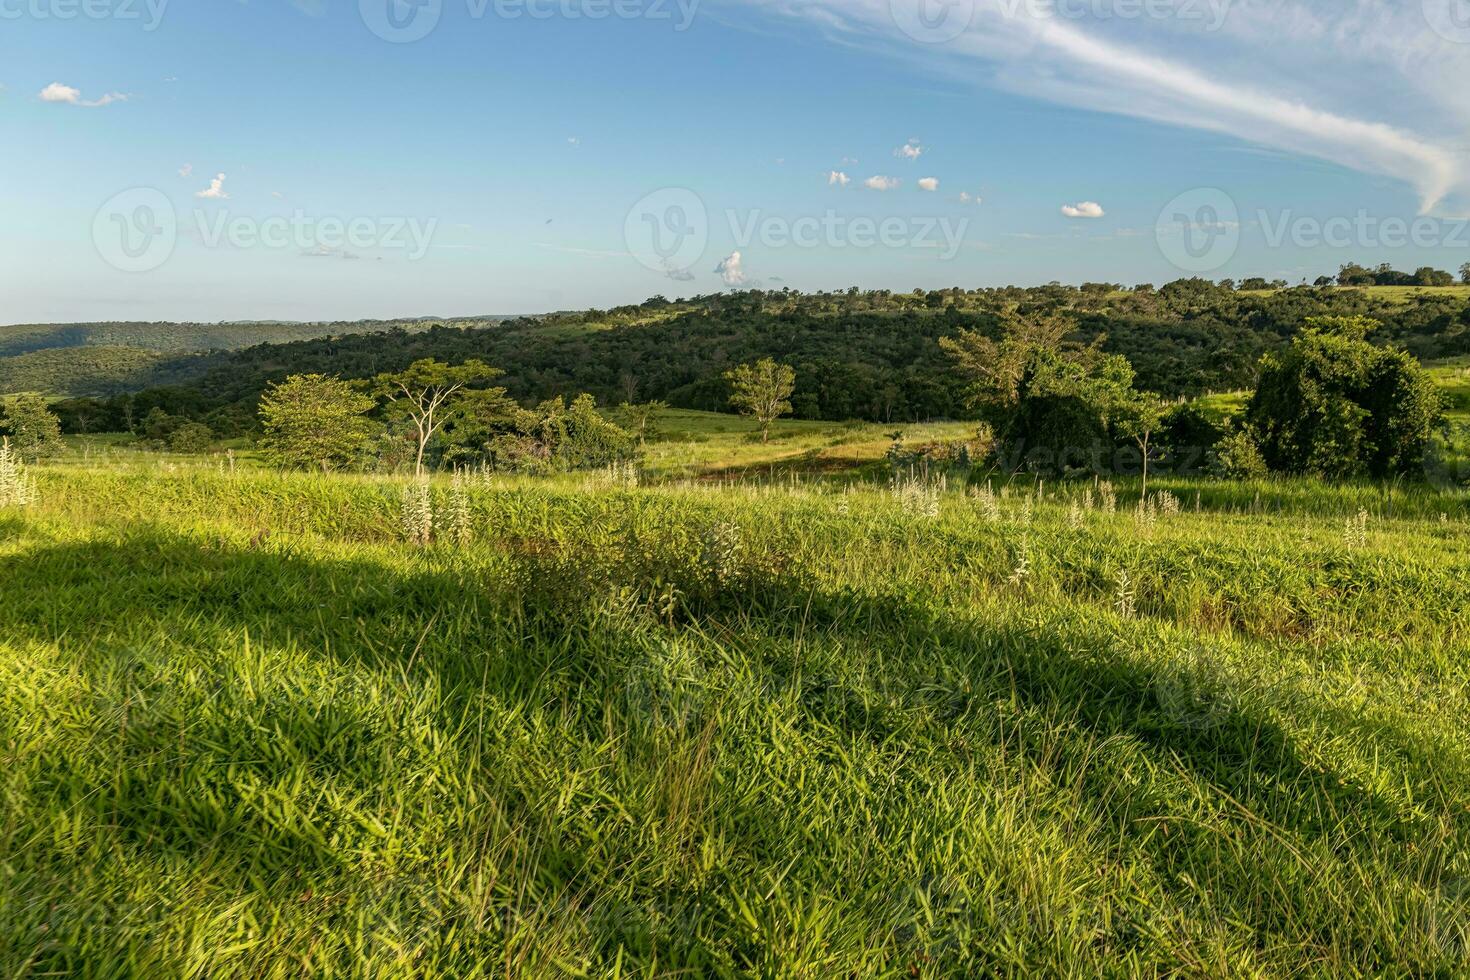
{"points": [[731, 269], [60, 94], [838, 178], [187, 170], [574, 141], [215, 191], [909, 151], [1084, 209], [967, 198], [929, 183], [57, 92], [881, 183]]}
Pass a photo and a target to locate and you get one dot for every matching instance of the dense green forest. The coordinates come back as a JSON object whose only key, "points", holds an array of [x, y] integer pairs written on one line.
{"points": [[858, 355], [98, 359]]}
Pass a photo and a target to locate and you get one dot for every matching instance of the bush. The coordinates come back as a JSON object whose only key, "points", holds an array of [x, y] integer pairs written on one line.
{"points": [[1334, 405], [1237, 457], [191, 437], [34, 432]]}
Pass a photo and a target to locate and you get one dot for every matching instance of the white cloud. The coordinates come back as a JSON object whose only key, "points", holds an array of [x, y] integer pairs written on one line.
{"points": [[839, 178], [881, 183], [731, 269], [967, 198], [187, 170], [60, 94], [929, 183], [910, 150], [1373, 86], [1084, 209], [574, 141], [215, 191]]}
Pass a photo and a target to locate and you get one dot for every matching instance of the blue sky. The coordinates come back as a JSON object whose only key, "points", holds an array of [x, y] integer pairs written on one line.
{"points": [[505, 162]]}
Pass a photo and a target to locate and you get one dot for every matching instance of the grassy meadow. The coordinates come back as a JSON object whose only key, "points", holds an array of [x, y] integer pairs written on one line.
{"points": [[760, 711]]}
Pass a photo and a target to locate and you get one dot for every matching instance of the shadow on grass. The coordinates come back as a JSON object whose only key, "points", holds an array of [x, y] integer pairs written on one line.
{"points": [[524, 625]]}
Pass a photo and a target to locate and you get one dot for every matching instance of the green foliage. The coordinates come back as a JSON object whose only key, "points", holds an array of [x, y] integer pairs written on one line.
{"points": [[555, 437], [762, 391], [430, 395], [1336, 406], [17, 489], [858, 355], [34, 431], [755, 731], [642, 420], [191, 437], [1050, 400], [1237, 457], [316, 422]]}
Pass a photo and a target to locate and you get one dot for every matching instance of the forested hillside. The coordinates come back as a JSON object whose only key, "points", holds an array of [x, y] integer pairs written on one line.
{"points": [[865, 355], [78, 359]]}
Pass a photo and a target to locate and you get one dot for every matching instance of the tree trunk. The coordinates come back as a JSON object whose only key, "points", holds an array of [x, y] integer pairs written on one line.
{"points": [[1144, 446]]}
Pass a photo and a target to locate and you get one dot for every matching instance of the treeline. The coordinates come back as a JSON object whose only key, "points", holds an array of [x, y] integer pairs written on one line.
{"points": [[872, 355], [193, 337]]}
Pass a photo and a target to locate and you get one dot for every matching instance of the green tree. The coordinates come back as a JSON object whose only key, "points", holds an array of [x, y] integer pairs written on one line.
{"points": [[1139, 415], [1043, 395], [315, 421], [191, 437], [34, 431], [642, 420], [1334, 405], [430, 394], [762, 391], [1465, 273]]}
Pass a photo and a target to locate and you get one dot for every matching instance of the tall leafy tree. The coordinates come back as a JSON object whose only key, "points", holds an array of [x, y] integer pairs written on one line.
{"points": [[317, 422], [1334, 405], [1045, 396], [430, 393], [762, 391], [34, 431]]}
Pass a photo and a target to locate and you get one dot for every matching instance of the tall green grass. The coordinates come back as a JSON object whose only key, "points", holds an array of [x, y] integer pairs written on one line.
{"points": [[730, 730]]}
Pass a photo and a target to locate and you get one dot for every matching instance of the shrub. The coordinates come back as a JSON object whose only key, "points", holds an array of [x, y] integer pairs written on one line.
{"points": [[35, 433], [191, 437], [1237, 457], [16, 488], [315, 422], [1334, 405]]}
